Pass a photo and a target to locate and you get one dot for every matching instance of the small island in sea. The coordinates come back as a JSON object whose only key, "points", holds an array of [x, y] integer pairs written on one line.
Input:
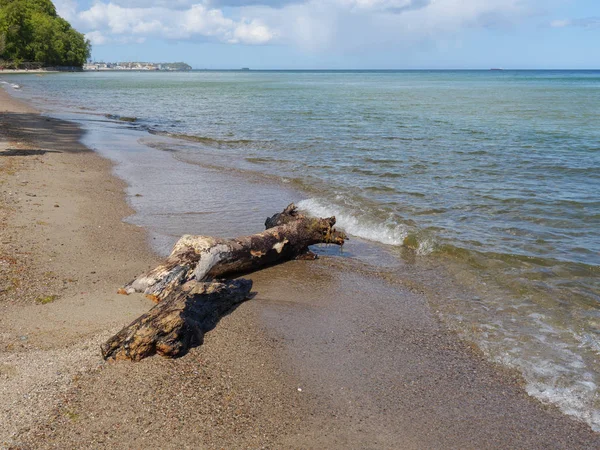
{"points": [[167, 67]]}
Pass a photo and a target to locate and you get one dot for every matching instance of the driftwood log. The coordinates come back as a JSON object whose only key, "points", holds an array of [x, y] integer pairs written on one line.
{"points": [[205, 258], [288, 215], [190, 302], [179, 322]]}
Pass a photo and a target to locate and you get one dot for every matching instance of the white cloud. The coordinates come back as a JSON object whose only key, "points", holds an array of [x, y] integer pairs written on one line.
{"points": [[390, 6], [105, 22], [560, 23], [587, 22], [171, 4], [360, 25], [314, 25], [184, 4], [96, 38], [66, 8], [252, 32]]}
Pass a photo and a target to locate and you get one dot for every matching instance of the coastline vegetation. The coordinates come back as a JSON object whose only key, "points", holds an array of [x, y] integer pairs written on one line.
{"points": [[31, 31]]}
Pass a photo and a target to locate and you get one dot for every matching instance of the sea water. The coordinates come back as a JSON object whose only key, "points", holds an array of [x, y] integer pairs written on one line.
{"points": [[492, 176]]}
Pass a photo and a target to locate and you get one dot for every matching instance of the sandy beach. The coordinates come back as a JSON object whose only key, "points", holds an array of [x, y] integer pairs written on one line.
{"points": [[348, 359]]}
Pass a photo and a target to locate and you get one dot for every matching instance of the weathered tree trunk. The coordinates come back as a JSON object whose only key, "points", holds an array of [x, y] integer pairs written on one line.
{"points": [[188, 306], [179, 322], [288, 215], [203, 258]]}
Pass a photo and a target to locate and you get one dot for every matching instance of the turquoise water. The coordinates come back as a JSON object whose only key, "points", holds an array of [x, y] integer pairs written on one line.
{"points": [[496, 174], [503, 162]]}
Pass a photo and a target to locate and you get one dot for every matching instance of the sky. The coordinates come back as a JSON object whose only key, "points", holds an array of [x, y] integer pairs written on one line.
{"points": [[343, 34]]}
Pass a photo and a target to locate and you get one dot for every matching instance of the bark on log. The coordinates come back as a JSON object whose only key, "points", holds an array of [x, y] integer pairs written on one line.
{"points": [[179, 322], [288, 215], [204, 258]]}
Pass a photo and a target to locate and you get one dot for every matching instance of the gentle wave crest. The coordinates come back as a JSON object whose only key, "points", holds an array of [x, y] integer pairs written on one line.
{"points": [[362, 225], [208, 141], [561, 384], [13, 85], [356, 224]]}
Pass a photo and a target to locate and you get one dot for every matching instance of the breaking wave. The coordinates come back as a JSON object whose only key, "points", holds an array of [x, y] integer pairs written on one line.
{"points": [[13, 85], [362, 225]]}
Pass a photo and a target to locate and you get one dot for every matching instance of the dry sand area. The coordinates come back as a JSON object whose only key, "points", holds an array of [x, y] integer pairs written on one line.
{"points": [[343, 361]]}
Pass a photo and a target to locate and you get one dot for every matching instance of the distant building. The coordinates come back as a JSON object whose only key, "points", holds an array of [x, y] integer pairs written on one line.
{"points": [[97, 66]]}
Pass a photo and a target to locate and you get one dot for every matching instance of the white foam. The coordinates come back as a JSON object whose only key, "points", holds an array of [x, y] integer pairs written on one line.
{"points": [[13, 85], [589, 341], [560, 380], [386, 232], [574, 400], [555, 370], [426, 246]]}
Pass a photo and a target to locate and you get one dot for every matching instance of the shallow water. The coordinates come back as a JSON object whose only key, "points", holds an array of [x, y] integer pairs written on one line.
{"points": [[492, 175]]}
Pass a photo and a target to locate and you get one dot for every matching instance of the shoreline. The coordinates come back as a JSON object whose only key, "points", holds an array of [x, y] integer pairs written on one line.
{"points": [[21, 71], [55, 250], [373, 363]]}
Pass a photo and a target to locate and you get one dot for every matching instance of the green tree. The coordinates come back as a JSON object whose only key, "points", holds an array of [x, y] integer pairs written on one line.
{"points": [[34, 32]]}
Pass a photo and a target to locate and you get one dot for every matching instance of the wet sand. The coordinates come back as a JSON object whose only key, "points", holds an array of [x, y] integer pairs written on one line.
{"points": [[325, 356]]}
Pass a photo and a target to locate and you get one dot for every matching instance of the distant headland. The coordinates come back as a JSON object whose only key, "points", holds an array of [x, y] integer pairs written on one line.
{"points": [[170, 67]]}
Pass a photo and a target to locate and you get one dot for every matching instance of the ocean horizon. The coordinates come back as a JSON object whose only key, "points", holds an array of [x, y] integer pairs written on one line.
{"points": [[341, 70]]}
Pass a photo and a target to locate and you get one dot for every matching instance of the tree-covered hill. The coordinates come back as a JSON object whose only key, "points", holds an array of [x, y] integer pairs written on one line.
{"points": [[30, 30]]}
